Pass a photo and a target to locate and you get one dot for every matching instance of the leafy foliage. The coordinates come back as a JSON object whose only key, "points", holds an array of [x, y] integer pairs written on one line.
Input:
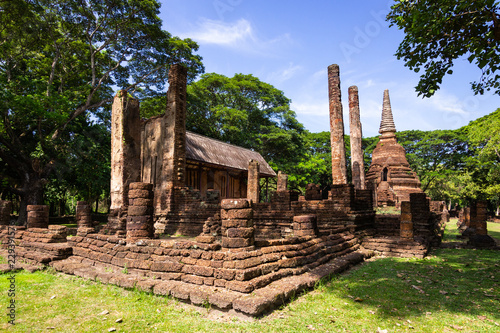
{"points": [[457, 165], [60, 61], [435, 154], [246, 112], [439, 32]]}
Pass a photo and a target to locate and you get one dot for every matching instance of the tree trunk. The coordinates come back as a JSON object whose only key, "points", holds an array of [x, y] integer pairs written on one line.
{"points": [[498, 211], [33, 191], [97, 206]]}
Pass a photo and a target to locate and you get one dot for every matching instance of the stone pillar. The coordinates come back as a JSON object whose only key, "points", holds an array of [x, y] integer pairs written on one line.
{"points": [[420, 214], [253, 190], [339, 170], [282, 184], [5, 211], [466, 216], [83, 215], [174, 155], [357, 160], [140, 212], [406, 224], [478, 217], [305, 225], [59, 232], [237, 224], [38, 216], [125, 148]]}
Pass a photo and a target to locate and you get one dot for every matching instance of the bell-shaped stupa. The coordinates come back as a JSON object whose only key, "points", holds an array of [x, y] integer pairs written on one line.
{"points": [[390, 174]]}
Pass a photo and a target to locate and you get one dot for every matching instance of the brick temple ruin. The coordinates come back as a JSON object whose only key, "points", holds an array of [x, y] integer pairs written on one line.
{"points": [[390, 175], [238, 254]]}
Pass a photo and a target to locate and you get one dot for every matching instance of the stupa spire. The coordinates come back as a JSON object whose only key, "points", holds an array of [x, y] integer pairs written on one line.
{"points": [[387, 123]]}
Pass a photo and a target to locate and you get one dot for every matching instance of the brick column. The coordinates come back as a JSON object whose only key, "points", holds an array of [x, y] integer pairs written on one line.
{"points": [[282, 184], [357, 160], [253, 190], [59, 232], [339, 170], [406, 224], [38, 216], [83, 215], [420, 213], [466, 216], [305, 225], [478, 217], [140, 212], [237, 224], [5, 211], [174, 148]]}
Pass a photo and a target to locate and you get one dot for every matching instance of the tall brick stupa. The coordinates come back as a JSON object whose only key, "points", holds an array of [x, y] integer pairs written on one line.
{"points": [[390, 175]]}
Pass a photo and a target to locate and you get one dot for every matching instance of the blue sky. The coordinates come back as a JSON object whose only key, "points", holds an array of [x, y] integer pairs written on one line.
{"points": [[290, 44]]}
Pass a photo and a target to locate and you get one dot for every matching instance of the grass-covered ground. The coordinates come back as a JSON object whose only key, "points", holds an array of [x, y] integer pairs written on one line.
{"points": [[452, 290]]}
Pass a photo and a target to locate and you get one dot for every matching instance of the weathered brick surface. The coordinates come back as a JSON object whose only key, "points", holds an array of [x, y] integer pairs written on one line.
{"points": [[38, 216], [390, 173], [229, 204], [5, 211], [140, 214], [357, 158], [339, 171]]}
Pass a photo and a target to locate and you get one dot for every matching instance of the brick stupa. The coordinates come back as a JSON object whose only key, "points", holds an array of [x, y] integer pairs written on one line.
{"points": [[390, 174]]}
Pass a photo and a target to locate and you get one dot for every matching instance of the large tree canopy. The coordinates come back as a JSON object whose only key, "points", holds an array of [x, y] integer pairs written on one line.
{"points": [[60, 61], [247, 112], [439, 32]]}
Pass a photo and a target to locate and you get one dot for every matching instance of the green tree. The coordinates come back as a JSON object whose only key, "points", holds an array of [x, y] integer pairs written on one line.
{"points": [[484, 135], [315, 166], [434, 155], [59, 61], [246, 112], [439, 32]]}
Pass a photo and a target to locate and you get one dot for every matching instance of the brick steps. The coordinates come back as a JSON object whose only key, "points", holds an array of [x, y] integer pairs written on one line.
{"points": [[395, 247], [258, 302], [43, 253]]}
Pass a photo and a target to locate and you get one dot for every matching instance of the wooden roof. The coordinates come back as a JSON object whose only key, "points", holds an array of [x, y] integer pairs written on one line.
{"points": [[210, 151]]}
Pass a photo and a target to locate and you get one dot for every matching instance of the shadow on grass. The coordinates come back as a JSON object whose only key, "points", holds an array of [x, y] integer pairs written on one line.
{"points": [[454, 281]]}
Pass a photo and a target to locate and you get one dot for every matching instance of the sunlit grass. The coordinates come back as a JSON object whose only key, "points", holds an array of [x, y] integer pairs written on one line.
{"points": [[451, 290]]}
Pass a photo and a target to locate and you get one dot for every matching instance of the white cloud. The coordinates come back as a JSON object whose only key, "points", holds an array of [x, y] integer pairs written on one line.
{"points": [[240, 35], [311, 109], [222, 33], [283, 75], [447, 103]]}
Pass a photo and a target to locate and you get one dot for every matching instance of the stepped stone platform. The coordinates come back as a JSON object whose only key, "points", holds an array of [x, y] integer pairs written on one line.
{"points": [[260, 301], [40, 245]]}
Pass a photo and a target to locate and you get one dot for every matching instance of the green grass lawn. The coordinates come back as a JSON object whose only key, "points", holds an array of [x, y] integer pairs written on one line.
{"points": [[494, 230], [451, 290]]}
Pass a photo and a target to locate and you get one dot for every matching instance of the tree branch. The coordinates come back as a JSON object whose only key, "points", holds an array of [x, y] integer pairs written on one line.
{"points": [[76, 113]]}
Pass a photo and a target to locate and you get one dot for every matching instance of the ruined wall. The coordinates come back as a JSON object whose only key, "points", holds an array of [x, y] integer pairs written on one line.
{"points": [[188, 212], [153, 140], [347, 209]]}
